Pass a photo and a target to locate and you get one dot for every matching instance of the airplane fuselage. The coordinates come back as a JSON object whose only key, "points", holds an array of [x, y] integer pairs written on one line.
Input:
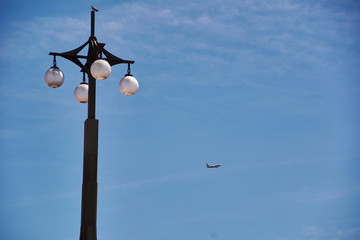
{"points": [[213, 166]]}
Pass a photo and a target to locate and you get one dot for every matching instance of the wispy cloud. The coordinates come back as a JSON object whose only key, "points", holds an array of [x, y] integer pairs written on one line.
{"points": [[171, 26], [315, 232], [191, 42], [144, 182], [7, 133], [302, 26], [45, 32], [349, 233], [316, 195], [29, 200]]}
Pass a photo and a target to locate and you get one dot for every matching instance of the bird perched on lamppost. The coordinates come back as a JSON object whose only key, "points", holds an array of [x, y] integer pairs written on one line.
{"points": [[94, 8]]}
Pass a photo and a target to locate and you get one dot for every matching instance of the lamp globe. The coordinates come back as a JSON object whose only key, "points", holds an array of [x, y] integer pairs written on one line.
{"points": [[128, 85], [54, 77], [100, 69], [81, 92]]}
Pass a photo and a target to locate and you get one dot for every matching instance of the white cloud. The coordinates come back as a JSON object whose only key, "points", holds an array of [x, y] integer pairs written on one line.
{"points": [[300, 31], [349, 233], [196, 42], [144, 182], [138, 183], [314, 194], [314, 233], [28, 39], [6, 134]]}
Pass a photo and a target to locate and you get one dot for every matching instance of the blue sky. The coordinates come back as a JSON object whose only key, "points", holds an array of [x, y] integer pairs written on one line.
{"points": [[269, 89]]}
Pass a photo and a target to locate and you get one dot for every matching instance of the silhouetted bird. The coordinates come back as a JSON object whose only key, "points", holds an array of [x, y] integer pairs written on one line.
{"points": [[95, 9]]}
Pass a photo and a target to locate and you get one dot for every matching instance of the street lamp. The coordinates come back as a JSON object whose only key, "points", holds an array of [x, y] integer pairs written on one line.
{"points": [[54, 77], [97, 66], [100, 69], [128, 84], [81, 92]]}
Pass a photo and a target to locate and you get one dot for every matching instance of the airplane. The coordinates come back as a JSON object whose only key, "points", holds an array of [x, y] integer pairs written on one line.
{"points": [[213, 166]]}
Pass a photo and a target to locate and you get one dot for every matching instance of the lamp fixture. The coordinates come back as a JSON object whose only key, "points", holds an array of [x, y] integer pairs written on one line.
{"points": [[81, 92], [54, 77], [128, 84]]}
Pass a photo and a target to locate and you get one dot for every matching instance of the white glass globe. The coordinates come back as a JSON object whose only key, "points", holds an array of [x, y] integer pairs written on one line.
{"points": [[100, 69], [128, 85], [81, 92], [54, 77]]}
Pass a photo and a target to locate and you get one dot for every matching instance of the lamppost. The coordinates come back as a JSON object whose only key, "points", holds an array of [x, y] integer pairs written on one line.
{"points": [[97, 67]]}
